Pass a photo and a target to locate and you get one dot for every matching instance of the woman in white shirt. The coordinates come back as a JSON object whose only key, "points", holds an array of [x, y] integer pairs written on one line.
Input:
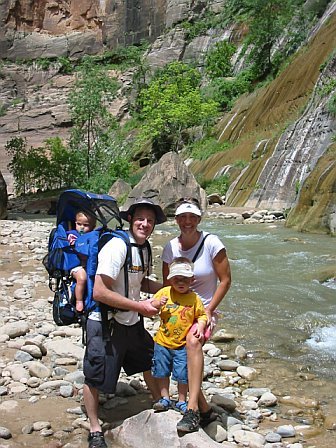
{"points": [[212, 281]]}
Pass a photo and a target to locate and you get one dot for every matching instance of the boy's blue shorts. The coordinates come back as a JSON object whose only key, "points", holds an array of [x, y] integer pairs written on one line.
{"points": [[167, 361]]}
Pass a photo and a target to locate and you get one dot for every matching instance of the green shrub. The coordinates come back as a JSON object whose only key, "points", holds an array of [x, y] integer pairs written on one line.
{"points": [[331, 105], [67, 67], [203, 149], [219, 185], [3, 110], [43, 63], [123, 57], [225, 91], [317, 7], [240, 164], [135, 178], [218, 60]]}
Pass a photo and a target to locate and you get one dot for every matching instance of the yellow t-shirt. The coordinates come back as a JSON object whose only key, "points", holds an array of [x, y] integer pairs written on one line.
{"points": [[177, 316]]}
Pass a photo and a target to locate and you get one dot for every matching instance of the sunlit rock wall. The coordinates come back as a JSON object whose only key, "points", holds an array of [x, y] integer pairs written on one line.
{"points": [[33, 29]]}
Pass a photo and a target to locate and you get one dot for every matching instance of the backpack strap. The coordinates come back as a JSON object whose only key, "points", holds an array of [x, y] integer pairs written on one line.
{"points": [[199, 248]]}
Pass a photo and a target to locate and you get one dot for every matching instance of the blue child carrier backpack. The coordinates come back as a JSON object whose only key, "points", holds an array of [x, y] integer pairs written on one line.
{"points": [[62, 257]]}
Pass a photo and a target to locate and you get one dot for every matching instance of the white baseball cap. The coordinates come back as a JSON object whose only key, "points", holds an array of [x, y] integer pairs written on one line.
{"points": [[188, 208], [184, 269]]}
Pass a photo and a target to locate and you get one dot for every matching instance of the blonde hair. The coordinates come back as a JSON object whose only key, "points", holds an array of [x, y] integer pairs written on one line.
{"points": [[92, 220]]}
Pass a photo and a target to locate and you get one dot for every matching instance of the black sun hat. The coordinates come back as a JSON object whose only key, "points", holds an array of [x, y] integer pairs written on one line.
{"points": [[159, 215]]}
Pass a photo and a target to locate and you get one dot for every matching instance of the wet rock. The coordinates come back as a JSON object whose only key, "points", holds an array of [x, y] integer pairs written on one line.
{"points": [[222, 336], [286, 431], [273, 437], [228, 364], [38, 426], [240, 352], [248, 437], [5, 433], [330, 422], [268, 399], [247, 372], [216, 431], [299, 402], [224, 402]]}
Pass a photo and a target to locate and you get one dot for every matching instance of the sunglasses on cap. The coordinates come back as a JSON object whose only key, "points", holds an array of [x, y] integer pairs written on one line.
{"points": [[188, 200]]}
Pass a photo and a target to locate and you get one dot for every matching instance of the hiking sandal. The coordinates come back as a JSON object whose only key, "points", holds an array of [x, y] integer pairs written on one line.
{"points": [[181, 406], [96, 440], [162, 405], [189, 422]]}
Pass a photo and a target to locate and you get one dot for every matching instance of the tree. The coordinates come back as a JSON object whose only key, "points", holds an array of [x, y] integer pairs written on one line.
{"points": [[218, 60], [63, 160], [267, 20], [92, 121], [16, 148], [171, 103]]}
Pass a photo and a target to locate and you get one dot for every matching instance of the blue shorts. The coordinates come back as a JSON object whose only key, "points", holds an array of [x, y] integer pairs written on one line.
{"points": [[167, 361]]}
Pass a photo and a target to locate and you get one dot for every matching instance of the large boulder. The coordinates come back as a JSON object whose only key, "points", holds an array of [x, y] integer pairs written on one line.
{"points": [[3, 198], [166, 182], [120, 190], [158, 429]]}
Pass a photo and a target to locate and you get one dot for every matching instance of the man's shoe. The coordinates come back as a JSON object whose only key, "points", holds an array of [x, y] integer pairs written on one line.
{"points": [[189, 422], [96, 440]]}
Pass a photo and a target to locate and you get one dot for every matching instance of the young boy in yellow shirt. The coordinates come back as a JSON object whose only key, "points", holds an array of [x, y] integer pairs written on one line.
{"points": [[182, 309]]}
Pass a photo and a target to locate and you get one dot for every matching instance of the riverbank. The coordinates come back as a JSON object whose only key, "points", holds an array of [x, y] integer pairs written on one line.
{"points": [[49, 395]]}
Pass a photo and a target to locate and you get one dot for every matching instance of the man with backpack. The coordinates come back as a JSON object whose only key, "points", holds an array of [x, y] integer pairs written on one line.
{"points": [[120, 340]]}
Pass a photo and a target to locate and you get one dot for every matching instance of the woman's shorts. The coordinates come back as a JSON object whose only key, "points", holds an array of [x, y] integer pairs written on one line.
{"points": [[167, 361], [130, 347]]}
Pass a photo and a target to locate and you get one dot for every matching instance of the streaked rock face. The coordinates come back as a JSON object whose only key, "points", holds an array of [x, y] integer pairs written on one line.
{"points": [[32, 29]]}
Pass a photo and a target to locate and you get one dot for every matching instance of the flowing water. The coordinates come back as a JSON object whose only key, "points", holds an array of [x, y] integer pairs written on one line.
{"points": [[277, 303]]}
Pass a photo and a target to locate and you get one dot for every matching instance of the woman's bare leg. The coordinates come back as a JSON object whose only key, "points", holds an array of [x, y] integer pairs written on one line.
{"points": [[195, 374], [195, 370]]}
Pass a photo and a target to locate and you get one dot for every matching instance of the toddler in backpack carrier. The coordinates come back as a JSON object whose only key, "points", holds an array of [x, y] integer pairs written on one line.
{"points": [[73, 248], [84, 223]]}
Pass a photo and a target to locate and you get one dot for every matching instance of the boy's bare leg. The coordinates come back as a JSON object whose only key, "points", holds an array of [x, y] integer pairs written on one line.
{"points": [[164, 387], [80, 277], [182, 390]]}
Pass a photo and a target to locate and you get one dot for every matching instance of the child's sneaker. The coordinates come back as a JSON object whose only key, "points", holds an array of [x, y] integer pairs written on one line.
{"points": [[189, 422], [162, 405]]}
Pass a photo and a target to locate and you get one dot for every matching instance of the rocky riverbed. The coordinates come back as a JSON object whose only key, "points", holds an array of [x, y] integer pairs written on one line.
{"points": [[41, 376]]}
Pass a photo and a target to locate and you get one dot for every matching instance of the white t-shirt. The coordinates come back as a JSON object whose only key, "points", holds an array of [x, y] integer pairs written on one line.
{"points": [[206, 280], [111, 260]]}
